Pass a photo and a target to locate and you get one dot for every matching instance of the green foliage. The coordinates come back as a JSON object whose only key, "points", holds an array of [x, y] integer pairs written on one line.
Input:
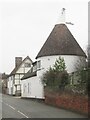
{"points": [[63, 78], [59, 65], [49, 77], [80, 81], [57, 76]]}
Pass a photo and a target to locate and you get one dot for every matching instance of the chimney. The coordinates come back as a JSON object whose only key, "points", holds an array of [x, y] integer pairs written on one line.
{"points": [[18, 61]]}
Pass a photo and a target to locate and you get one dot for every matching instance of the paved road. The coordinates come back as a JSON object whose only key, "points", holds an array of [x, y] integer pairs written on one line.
{"points": [[15, 107]]}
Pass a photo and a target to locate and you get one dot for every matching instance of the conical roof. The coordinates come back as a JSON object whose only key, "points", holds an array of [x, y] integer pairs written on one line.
{"points": [[60, 42]]}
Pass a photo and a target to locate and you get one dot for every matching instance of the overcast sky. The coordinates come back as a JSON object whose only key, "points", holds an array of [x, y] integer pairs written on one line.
{"points": [[26, 24]]}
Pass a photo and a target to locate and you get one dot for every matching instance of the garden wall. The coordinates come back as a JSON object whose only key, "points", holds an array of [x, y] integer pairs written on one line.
{"points": [[74, 102]]}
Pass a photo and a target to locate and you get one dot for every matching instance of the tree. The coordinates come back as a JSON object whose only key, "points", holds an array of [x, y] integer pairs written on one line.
{"points": [[56, 76], [80, 77], [81, 64], [59, 65]]}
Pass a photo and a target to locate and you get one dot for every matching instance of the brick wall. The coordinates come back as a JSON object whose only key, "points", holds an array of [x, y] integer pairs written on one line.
{"points": [[78, 103]]}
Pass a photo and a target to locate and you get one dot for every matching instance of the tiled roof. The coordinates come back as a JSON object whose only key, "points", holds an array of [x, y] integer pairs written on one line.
{"points": [[29, 74], [60, 42]]}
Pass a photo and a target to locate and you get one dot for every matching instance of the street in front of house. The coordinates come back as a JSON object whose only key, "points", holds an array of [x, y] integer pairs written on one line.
{"points": [[15, 107]]}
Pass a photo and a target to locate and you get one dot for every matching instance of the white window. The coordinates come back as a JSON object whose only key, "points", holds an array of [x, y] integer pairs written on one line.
{"points": [[38, 64], [17, 76]]}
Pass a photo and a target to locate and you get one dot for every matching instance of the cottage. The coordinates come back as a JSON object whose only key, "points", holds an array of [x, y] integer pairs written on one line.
{"points": [[61, 43], [14, 80]]}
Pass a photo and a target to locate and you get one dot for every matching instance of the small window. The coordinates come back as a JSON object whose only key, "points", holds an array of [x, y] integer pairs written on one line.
{"points": [[27, 65], [38, 64]]}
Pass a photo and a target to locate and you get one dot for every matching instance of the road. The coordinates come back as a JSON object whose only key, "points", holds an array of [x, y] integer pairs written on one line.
{"points": [[15, 107]]}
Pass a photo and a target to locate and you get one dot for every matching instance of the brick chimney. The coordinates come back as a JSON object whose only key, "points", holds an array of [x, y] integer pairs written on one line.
{"points": [[18, 61]]}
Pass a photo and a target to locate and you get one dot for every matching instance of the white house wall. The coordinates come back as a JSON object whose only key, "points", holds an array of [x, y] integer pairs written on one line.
{"points": [[48, 61], [10, 85], [32, 88], [14, 89]]}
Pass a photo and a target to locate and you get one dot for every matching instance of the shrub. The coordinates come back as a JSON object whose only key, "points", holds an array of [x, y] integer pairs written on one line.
{"points": [[49, 77], [63, 79]]}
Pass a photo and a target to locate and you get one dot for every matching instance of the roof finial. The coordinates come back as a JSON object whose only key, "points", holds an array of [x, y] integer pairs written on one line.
{"points": [[63, 9], [63, 16]]}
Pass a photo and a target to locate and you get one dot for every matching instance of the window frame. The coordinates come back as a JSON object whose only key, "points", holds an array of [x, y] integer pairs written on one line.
{"points": [[38, 64]]}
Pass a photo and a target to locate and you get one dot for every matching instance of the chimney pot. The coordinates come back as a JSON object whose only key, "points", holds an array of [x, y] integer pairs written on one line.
{"points": [[18, 61]]}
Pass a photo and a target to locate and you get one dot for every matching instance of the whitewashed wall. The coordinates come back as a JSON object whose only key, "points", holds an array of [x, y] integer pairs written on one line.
{"points": [[48, 61], [32, 88], [10, 84]]}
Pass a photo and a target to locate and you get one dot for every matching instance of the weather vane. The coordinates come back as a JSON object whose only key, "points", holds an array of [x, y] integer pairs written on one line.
{"points": [[63, 11]]}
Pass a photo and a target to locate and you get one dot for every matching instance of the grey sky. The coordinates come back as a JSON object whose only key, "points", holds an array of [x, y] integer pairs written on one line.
{"points": [[26, 24]]}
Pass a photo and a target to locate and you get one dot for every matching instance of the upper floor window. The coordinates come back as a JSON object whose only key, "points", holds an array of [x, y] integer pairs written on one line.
{"points": [[39, 64], [27, 65], [17, 77]]}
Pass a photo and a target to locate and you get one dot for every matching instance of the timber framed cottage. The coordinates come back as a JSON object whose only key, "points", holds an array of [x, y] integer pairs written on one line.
{"points": [[14, 80]]}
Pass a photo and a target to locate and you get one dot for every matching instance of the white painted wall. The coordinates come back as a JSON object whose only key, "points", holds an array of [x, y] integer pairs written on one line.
{"points": [[48, 61], [10, 84], [32, 88], [14, 89]]}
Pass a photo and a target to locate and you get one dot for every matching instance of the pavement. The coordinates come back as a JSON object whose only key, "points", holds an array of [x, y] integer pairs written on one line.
{"points": [[15, 107]]}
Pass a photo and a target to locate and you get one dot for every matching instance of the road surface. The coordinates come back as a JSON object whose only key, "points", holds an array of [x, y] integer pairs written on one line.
{"points": [[15, 107]]}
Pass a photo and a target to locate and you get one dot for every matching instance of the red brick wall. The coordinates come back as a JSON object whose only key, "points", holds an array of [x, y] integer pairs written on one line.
{"points": [[78, 103]]}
